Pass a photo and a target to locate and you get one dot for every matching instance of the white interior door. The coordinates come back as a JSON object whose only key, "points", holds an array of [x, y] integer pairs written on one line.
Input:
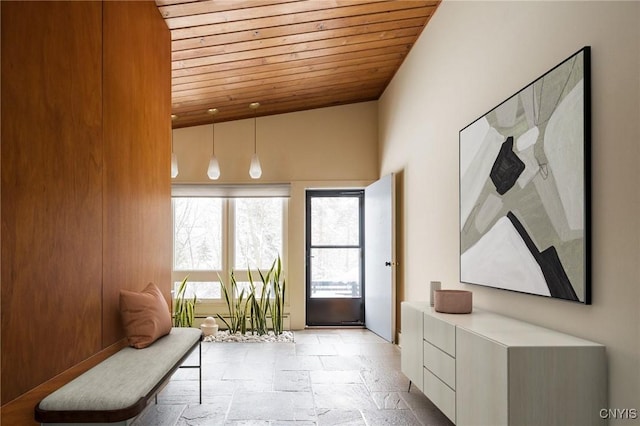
{"points": [[379, 254]]}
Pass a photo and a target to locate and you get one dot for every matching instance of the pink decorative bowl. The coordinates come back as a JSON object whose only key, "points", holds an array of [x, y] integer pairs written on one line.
{"points": [[453, 301]]}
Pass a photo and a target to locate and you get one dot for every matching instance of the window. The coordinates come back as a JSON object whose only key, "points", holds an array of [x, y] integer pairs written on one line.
{"points": [[197, 224], [215, 235], [258, 236]]}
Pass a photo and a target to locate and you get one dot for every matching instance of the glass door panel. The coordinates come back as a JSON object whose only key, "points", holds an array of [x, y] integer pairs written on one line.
{"points": [[335, 273], [335, 221]]}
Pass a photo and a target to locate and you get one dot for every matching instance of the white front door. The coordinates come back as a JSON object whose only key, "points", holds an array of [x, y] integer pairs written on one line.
{"points": [[380, 262]]}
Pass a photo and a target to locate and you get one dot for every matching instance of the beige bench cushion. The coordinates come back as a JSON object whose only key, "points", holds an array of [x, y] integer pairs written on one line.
{"points": [[123, 379]]}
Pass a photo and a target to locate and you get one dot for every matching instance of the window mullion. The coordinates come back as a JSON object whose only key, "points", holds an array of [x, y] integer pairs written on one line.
{"points": [[285, 243], [240, 274], [228, 245]]}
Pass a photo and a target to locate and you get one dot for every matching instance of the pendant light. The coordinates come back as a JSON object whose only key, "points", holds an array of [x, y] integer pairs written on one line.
{"points": [[214, 167], [174, 159], [255, 171]]}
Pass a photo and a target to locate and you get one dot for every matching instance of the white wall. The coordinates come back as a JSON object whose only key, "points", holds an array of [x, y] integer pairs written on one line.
{"points": [[336, 143], [471, 57], [334, 147]]}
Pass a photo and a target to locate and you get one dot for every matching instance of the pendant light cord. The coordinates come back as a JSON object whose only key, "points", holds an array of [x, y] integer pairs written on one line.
{"points": [[254, 106], [213, 112]]}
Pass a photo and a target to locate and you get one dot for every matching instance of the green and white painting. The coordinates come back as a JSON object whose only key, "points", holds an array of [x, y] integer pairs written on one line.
{"points": [[524, 188]]}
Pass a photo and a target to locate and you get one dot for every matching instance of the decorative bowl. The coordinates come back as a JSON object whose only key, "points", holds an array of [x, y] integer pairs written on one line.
{"points": [[209, 326], [453, 301]]}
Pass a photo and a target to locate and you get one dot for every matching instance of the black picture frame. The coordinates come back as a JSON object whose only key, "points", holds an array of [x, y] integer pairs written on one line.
{"points": [[525, 188]]}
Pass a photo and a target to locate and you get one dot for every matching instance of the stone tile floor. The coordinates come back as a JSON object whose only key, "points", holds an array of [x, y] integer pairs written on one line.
{"points": [[327, 377]]}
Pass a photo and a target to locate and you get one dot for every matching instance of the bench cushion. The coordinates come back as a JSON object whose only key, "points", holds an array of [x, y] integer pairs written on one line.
{"points": [[126, 379]]}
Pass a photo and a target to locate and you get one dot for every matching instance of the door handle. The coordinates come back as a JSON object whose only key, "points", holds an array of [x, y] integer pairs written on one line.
{"points": [[390, 263]]}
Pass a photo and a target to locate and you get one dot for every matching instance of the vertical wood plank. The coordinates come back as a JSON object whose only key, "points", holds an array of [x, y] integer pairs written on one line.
{"points": [[137, 132], [51, 190]]}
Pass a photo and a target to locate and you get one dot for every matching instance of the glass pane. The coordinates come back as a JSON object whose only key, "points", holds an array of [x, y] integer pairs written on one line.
{"points": [[335, 273], [203, 290], [335, 221], [258, 239], [197, 230]]}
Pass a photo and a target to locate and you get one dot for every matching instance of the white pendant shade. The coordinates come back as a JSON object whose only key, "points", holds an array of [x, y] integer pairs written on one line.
{"points": [[174, 165], [214, 168], [255, 171]]}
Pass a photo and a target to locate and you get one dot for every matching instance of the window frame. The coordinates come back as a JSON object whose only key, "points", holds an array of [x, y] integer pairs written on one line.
{"points": [[212, 306]]}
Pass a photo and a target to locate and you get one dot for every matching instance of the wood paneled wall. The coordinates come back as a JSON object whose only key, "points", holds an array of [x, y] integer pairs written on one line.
{"points": [[85, 195], [137, 145], [51, 190]]}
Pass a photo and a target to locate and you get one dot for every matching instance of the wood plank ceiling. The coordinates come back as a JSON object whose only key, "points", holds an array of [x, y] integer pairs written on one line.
{"points": [[289, 55]]}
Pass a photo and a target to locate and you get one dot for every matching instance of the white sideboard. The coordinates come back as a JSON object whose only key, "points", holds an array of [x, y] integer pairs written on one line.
{"points": [[487, 369]]}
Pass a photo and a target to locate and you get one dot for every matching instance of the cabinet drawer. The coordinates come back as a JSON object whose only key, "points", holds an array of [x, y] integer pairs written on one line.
{"points": [[441, 364], [440, 334], [440, 394]]}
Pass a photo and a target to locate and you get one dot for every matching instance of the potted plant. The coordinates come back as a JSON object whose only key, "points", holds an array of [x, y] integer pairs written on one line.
{"points": [[236, 306], [249, 305], [183, 308], [274, 281]]}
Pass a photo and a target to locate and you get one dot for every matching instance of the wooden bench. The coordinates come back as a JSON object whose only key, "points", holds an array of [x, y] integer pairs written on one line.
{"points": [[120, 387]]}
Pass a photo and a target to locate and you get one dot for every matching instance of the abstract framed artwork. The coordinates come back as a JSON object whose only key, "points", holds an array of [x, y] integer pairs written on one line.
{"points": [[525, 188]]}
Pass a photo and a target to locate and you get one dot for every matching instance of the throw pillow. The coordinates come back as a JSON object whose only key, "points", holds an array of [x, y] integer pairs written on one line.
{"points": [[145, 316]]}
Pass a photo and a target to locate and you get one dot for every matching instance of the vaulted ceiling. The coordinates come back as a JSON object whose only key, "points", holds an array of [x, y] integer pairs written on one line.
{"points": [[289, 55]]}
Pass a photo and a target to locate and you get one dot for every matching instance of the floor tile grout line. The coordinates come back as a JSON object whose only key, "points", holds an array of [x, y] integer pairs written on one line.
{"points": [[184, 408]]}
